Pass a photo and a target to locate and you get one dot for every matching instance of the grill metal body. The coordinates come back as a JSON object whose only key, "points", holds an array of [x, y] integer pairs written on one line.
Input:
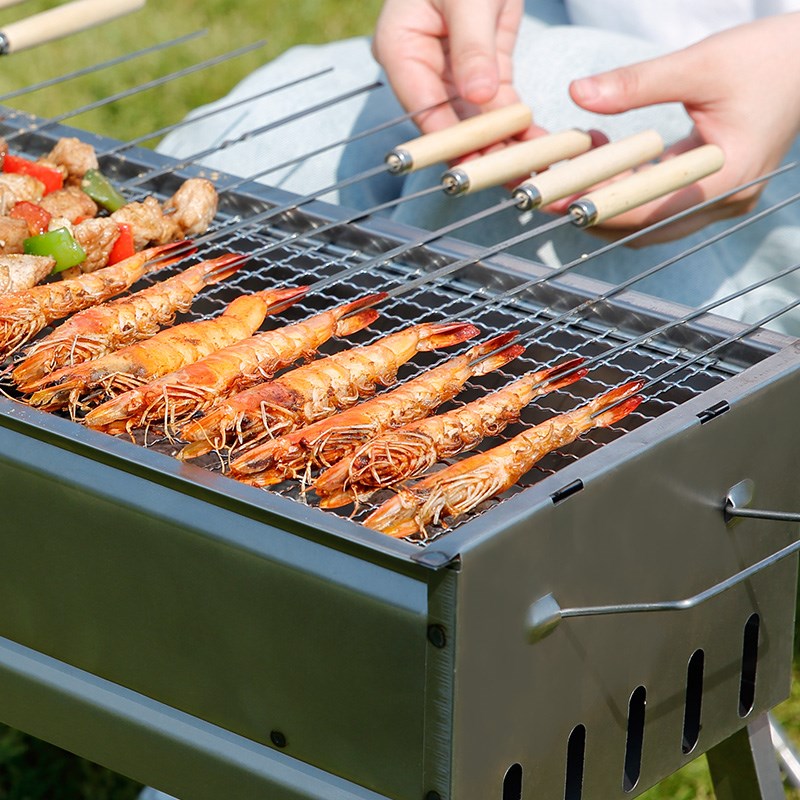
{"points": [[215, 640]]}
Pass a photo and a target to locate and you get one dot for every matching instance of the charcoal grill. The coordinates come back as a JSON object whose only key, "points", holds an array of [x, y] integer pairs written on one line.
{"points": [[216, 640]]}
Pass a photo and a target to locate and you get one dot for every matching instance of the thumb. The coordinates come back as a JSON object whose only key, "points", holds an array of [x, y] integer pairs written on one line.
{"points": [[667, 79]]}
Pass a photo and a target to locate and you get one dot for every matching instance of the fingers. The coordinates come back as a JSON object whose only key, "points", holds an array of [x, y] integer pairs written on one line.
{"points": [[407, 44], [473, 50], [455, 53], [667, 79]]}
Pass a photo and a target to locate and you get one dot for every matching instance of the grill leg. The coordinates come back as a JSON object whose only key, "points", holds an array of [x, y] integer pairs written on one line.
{"points": [[744, 766]]}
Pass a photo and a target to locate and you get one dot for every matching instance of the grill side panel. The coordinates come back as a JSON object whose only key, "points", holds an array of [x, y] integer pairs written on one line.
{"points": [[650, 529], [288, 643]]}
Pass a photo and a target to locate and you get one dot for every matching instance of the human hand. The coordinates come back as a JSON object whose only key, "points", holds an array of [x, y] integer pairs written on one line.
{"points": [[741, 88], [433, 50]]}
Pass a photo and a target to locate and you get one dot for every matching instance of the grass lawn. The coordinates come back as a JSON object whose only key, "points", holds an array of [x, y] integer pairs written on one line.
{"points": [[31, 770]]}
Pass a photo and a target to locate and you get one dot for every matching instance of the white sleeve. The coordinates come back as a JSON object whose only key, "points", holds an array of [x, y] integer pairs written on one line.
{"points": [[672, 23]]}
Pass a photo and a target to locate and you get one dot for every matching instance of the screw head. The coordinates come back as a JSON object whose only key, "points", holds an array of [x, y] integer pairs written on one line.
{"points": [[437, 636], [277, 738]]}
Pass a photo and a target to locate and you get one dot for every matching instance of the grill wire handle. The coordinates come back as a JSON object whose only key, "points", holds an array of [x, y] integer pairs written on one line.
{"points": [[545, 613]]}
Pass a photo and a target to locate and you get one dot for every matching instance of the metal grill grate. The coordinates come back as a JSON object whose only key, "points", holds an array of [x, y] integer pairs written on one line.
{"points": [[336, 258]]}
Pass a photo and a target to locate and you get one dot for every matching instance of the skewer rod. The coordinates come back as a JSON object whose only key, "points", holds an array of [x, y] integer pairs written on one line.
{"points": [[515, 160], [63, 21], [588, 169], [465, 137], [649, 184]]}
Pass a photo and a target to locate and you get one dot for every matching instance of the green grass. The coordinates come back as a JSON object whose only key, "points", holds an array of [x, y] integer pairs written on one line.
{"points": [[230, 23], [29, 769]]}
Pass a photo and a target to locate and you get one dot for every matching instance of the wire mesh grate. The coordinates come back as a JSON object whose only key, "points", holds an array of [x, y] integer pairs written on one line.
{"points": [[285, 255]]}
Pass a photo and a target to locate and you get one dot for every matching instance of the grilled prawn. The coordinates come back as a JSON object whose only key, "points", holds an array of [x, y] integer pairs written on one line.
{"points": [[314, 391], [165, 352], [95, 331], [328, 440], [175, 397], [397, 455], [461, 487], [24, 313]]}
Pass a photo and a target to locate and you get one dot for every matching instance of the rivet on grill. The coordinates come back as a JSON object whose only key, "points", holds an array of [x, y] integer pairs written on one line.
{"points": [[277, 738], [566, 491], [437, 636]]}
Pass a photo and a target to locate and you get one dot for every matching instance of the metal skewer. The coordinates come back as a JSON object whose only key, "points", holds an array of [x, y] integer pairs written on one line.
{"points": [[619, 288], [460, 139], [101, 65], [661, 179], [627, 284], [123, 146], [540, 152], [489, 170], [135, 90], [151, 174], [62, 21]]}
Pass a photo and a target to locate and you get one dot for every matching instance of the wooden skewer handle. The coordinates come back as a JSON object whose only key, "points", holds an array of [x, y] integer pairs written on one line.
{"points": [[588, 169], [465, 137], [509, 163], [63, 21], [647, 185]]}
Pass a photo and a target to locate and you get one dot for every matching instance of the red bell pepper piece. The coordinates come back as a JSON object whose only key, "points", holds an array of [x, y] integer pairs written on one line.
{"points": [[38, 218], [51, 178], [123, 248]]}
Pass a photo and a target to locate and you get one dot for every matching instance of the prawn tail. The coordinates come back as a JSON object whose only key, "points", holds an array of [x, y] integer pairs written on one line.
{"points": [[220, 269], [618, 403], [357, 315], [446, 334], [495, 353], [562, 374], [281, 299], [164, 255]]}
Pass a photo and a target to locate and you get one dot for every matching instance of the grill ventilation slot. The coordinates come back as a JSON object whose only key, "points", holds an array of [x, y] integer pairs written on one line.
{"points": [[576, 752], [747, 685], [635, 740], [512, 783], [694, 701]]}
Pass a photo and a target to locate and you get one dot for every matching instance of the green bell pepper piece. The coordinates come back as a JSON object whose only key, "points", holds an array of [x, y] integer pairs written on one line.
{"points": [[58, 244], [99, 188]]}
